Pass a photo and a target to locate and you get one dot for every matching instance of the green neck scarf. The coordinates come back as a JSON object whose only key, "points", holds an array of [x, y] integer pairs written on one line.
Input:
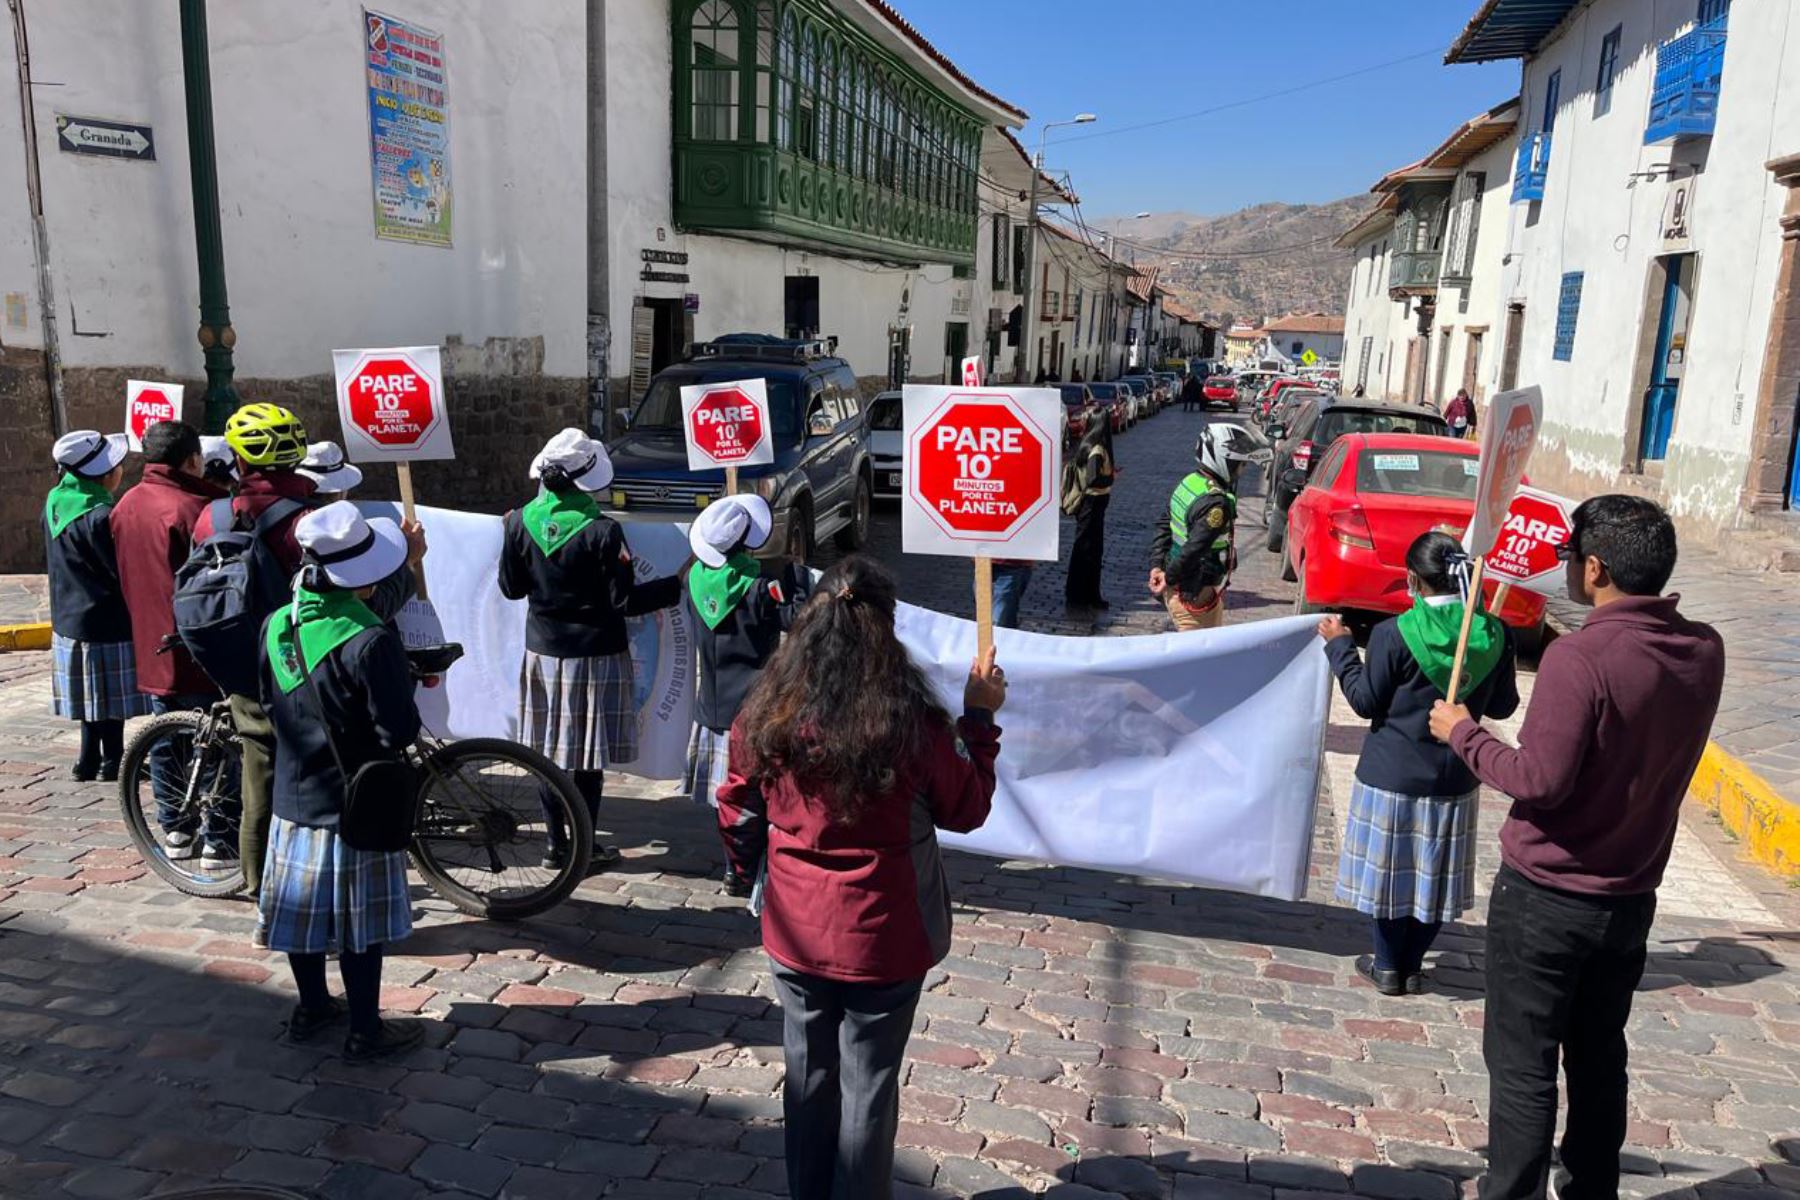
{"points": [[324, 621], [717, 591], [71, 498], [555, 517], [1431, 630]]}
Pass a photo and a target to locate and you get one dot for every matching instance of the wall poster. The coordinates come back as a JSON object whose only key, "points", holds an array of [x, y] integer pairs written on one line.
{"points": [[409, 130]]}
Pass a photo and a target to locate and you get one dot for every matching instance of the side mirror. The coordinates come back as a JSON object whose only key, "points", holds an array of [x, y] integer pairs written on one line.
{"points": [[622, 420], [819, 425], [1277, 432], [1293, 479]]}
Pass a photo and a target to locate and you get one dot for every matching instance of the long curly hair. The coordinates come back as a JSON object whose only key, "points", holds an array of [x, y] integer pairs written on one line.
{"points": [[841, 705]]}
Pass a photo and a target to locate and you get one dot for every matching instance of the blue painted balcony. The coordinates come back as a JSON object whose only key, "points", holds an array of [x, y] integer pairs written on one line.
{"points": [[1684, 101], [1533, 166]]}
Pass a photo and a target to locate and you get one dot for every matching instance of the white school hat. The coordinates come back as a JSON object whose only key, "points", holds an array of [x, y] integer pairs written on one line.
{"points": [[579, 456], [217, 452], [724, 523], [353, 552], [325, 466], [90, 453]]}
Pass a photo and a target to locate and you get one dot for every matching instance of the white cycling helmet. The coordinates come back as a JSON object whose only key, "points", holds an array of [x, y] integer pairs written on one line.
{"points": [[1223, 449]]}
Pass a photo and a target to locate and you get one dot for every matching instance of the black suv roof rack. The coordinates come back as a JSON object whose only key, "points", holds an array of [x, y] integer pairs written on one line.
{"points": [[766, 347]]}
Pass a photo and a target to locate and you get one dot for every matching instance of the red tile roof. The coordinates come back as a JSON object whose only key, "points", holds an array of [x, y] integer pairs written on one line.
{"points": [[1306, 323], [892, 16]]}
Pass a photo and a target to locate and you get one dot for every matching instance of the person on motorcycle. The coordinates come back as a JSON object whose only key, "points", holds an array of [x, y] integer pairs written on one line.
{"points": [[1193, 553]]}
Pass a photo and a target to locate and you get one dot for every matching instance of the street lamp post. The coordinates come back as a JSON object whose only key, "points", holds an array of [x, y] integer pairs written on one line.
{"points": [[1028, 330], [216, 334]]}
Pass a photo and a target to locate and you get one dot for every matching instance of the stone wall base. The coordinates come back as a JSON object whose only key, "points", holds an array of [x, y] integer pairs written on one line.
{"points": [[27, 432]]}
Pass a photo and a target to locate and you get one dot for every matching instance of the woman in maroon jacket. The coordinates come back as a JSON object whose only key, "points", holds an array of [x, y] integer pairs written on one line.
{"points": [[843, 765]]}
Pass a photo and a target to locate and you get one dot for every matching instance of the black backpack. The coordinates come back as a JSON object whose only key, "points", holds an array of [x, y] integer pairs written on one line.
{"points": [[231, 583]]}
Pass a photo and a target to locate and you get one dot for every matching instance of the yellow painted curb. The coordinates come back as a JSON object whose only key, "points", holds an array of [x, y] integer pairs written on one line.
{"points": [[1766, 823], [25, 637]]}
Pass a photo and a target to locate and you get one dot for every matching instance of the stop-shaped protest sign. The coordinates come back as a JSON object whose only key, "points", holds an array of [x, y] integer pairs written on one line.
{"points": [[727, 424], [1525, 556], [391, 404], [147, 403], [981, 466], [1507, 441]]}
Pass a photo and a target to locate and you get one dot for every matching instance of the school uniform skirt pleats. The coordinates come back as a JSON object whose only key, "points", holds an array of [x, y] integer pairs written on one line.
{"points": [[94, 681], [580, 713], [1408, 856], [321, 896], [709, 759]]}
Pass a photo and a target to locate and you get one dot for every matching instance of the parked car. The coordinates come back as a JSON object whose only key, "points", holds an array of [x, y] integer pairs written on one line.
{"points": [[1138, 388], [1318, 423], [887, 438], [1373, 494], [1221, 389], [1171, 386], [1078, 410], [1115, 401], [1282, 409], [821, 483]]}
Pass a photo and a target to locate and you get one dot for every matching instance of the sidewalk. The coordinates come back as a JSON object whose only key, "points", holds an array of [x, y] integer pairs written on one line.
{"points": [[1758, 724]]}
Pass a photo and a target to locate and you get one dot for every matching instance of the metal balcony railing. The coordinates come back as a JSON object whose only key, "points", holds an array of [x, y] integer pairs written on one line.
{"points": [[1533, 166], [1684, 101]]}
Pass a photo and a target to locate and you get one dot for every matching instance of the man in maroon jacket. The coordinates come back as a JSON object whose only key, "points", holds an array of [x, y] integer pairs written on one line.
{"points": [[1617, 723], [153, 532]]}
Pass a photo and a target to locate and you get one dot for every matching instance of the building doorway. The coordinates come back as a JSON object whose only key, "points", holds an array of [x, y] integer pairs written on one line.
{"points": [[899, 355], [1668, 361], [1509, 351], [800, 306], [1472, 363], [662, 332], [956, 348]]}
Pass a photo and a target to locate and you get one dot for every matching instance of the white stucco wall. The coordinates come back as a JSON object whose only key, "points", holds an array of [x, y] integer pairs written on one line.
{"points": [[18, 265], [1593, 219], [305, 270], [1484, 309], [1368, 313]]}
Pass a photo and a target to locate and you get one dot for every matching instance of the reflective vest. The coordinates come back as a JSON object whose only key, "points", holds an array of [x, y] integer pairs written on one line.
{"points": [[1186, 492]]}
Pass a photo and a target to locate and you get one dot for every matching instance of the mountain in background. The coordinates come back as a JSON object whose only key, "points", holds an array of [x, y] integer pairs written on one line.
{"points": [[1272, 258]]}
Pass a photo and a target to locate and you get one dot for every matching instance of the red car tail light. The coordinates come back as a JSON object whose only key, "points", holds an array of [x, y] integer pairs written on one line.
{"points": [[1351, 527], [1303, 456]]}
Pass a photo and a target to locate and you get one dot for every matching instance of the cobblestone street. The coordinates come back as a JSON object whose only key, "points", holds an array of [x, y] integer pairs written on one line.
{"points": [[1091, 1035]]}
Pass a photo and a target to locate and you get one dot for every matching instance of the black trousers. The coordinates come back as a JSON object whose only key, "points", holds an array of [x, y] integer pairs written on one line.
{"points": [[1089, 551], [1561, 972], [844, 1044]]}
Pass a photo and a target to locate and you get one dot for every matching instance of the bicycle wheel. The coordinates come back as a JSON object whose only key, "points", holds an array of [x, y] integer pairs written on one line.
{"points": [[502, 831], [178, 787]]}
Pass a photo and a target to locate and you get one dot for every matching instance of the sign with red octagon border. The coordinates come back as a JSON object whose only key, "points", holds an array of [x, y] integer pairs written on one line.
{"points": [[1507, 440], [981, 471], [1525, 556], [391, 404], [147, 403], [727, 424]]}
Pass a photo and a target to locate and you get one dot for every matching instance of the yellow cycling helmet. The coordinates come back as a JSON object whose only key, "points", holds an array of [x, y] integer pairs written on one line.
{"points": [[266, 435]]}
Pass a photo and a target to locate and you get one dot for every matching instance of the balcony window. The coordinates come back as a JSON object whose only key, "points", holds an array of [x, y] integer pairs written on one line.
{"points": [[715, 75], [1684, 100], [1533, 166]]}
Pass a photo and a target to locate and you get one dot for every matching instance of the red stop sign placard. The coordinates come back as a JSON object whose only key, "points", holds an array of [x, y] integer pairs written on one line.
{"points": [[1535, 525], [726, 426], [392, 403], [980, 469], [145, 409]]}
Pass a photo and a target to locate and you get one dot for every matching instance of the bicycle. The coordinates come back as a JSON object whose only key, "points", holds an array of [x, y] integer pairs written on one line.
{"points": [[500, 832]]}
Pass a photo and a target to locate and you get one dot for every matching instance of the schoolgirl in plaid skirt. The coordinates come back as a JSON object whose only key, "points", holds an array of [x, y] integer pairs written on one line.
{"points": [[94, 673], [569, 563], [1408, 859]]}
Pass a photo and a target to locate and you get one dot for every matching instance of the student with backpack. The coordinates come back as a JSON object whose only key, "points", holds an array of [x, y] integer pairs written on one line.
{"points": [[93, 680], [1092, 485], [570, 564], [740, 611]]}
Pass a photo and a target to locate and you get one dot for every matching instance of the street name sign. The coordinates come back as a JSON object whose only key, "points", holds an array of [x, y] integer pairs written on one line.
{"points": [[146, 403], [106, 139]]}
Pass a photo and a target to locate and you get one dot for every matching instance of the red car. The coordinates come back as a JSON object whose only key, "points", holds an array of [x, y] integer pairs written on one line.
{"points": [[1220, 389], [1112, 399], [1372, 495]]}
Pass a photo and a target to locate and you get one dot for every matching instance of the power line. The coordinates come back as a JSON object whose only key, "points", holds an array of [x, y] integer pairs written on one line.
{"points": [[1247, 100]]}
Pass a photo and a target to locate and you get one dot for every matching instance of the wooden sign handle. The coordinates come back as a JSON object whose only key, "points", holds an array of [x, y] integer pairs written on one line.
{"points": [[731, 481], [1468, 622], [984, 605], [409, 513]]}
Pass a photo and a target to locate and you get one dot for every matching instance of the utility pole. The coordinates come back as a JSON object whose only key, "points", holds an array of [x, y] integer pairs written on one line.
{"points": [[216, 335], [1028, 327]]}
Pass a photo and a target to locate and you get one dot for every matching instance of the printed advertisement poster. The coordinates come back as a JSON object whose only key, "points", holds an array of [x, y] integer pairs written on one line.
{"points": [[409, 130]]}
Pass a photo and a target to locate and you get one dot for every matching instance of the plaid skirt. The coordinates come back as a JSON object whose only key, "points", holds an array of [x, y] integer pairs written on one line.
{"points": [[94, 681], [319, 896], [1408, 856], [579, 713], [709, 754]]}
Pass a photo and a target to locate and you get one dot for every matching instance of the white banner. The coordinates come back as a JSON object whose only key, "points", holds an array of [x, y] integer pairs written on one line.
{"points": [[1190, 756]]}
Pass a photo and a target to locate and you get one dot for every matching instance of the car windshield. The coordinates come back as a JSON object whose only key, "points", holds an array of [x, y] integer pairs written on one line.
{"points": [[1444, 474], [1104, 391], [660, 410], [1073, 394], [885, 414], [1339, 421]]}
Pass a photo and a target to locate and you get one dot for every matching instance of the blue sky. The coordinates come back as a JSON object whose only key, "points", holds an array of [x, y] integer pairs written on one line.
{"points": [[1131, 61]]}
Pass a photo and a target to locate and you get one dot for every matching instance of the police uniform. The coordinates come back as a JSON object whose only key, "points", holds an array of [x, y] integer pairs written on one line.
{"points": [[1194, 549]]}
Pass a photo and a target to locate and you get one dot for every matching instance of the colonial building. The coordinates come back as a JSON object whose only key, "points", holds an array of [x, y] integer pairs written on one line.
{"points": [[1649, 251], [1294, 335]]}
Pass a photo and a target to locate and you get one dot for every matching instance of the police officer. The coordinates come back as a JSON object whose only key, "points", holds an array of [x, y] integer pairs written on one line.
{"points": [[1192, 555]]}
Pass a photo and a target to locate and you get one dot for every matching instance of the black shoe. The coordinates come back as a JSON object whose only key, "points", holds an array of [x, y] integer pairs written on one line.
{"points": [[604, 857], [109, 772], [1102, 604], [390, 1037], [555, 858], [304, 1024], [1387, 982], [1415, 984], [84, 772]]}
